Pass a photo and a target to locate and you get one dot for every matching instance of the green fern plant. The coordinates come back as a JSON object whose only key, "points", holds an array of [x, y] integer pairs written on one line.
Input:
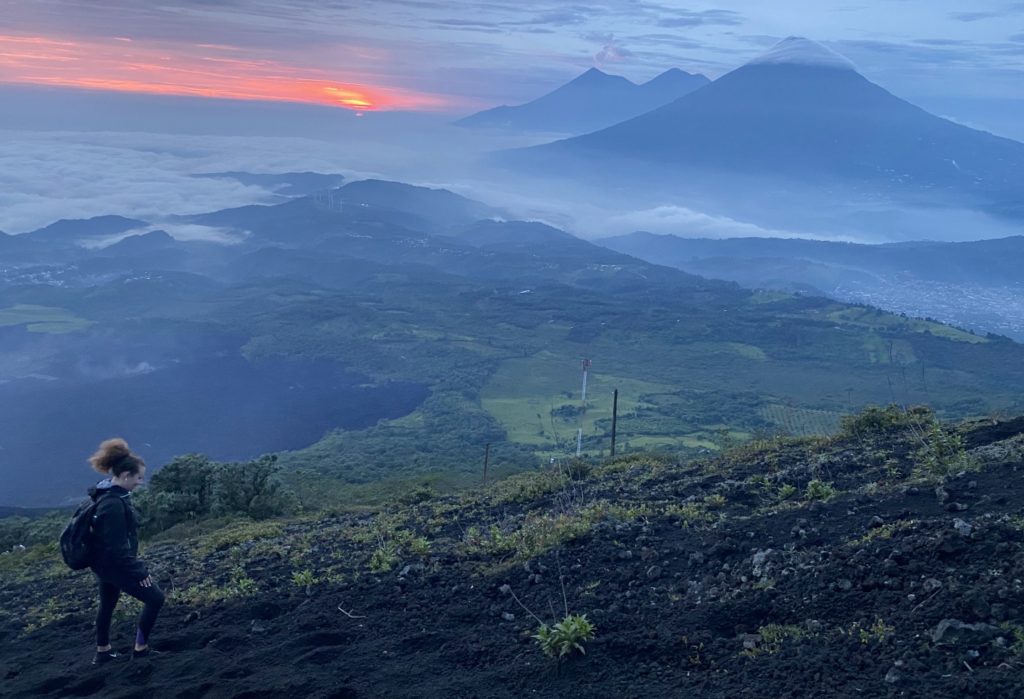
{"points": [[820, 490], [384, 557], [241, 584], [303, 578], [786, 491], [942, 454], [566, 637], [563, 638]]}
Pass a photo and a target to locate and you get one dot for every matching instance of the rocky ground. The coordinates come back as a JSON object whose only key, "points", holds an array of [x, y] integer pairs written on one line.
{"points": [[887, 562]]}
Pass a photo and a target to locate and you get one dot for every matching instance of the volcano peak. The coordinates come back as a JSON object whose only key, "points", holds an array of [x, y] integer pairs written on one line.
{"points": [[797, 50]]}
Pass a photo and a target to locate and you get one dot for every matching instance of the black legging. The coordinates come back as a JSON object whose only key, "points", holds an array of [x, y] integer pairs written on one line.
{"points": [[111, 587]]}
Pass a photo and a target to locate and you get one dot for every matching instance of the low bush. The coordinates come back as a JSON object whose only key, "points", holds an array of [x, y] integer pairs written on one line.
{"points": [[942, 454], [819, 490], [193, 488], [566, 637], [874, 420]]}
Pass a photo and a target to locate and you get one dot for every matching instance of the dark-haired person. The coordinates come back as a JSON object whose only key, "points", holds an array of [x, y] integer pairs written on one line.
{"points": [[115, 542]]}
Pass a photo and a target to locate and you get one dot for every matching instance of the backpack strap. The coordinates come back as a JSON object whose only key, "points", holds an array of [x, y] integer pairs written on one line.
{"points": [[96, 506]]}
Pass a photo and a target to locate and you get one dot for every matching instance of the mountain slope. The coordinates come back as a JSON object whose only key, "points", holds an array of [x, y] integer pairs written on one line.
{"points": [[73, 230], [831, 568], [591, 101], [288, 184], [386, 207], [802, 113], [475, 326]]}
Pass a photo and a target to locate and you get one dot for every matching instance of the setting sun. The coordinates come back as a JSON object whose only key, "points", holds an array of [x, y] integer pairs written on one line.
{"points": [[191, 70]]}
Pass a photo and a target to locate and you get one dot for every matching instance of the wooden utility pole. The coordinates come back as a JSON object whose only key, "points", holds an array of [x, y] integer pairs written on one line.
{"points": [[615, 415], [487, 458]]}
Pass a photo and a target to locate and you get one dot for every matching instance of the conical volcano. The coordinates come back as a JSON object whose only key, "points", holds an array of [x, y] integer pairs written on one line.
{"points": [[589, 102], [803, 112]]}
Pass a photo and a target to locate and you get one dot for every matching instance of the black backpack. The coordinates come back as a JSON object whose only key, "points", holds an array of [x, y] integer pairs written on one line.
{"points": [[76, 539]]}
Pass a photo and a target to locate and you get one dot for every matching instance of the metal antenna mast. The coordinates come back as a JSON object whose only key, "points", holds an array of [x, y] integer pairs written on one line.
{"points": [[583, 409]]}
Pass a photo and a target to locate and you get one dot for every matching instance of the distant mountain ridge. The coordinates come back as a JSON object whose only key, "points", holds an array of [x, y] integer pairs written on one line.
{"points": [[591, 101], [803, 113], [289, 184], [67, 230], [995, 261], [976, 284]]}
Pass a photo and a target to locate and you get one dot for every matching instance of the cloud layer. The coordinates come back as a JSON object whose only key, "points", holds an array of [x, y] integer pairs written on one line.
{"points": [[45, 176], [463, 56], [142, 176]]}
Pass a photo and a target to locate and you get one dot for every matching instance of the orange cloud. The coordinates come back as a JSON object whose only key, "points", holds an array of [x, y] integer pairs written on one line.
{"points": [[194, 70]]}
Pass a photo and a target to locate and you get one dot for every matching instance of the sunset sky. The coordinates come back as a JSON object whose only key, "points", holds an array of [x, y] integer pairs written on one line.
{"points": [[426, 55], [121, 102]]}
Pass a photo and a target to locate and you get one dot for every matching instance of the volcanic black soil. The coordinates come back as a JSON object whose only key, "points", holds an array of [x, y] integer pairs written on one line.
{"points": [[843, 567]]}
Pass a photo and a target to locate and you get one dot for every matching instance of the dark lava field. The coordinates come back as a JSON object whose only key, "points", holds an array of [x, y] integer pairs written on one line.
{"points": [[886, 561]]}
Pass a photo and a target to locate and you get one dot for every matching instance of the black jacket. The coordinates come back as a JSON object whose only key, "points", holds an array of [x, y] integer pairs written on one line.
{"points": [[115, 533]]}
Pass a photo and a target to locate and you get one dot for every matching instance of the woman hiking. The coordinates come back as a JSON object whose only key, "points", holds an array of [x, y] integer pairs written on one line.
{"points": [[115, 545]]}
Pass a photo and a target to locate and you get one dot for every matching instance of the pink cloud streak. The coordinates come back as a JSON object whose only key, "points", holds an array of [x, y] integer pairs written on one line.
{"points": [[192, 70]]}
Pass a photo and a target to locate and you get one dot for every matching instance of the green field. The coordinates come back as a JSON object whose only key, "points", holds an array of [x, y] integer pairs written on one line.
{"points": [[42, 319], [537, 399], [801, 422], [876, 320]]}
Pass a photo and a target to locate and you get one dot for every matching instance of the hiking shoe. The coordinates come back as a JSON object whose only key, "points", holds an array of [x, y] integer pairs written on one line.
{"points": [[148, 653], [105, 656]]}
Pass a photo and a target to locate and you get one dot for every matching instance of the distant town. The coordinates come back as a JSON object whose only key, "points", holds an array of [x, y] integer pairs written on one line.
{"points": [[981, 309]]}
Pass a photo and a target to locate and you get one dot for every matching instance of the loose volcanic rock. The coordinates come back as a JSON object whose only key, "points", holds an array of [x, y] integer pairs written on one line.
{"points": [[955, 631]]}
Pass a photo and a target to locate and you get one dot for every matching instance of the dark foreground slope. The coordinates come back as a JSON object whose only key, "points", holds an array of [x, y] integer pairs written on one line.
{"points": [[738, 577]]}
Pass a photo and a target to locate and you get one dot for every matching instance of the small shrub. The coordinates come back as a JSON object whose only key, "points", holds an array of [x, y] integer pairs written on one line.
{"points": [[877, 632], [694, 650], [535, 535], [384, 557], [689, 513], [942, 454], [420, 493], [577, 469], [819, 490], [1017, 648], [303, 578], [242, 583], [566, 637], [716, 500], [419, 546], [892, 469], [882, 421], [786, 491], [772, 638], [652, 461], [527, 487]]}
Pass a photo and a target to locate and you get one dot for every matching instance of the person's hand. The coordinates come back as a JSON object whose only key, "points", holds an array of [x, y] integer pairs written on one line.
{"points": [[147, 581]]}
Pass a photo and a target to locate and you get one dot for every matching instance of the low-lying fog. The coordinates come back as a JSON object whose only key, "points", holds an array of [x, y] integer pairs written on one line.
{"points": [[48, 172]]}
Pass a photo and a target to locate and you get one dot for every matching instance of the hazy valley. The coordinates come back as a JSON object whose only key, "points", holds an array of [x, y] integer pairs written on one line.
{"points": [[331, 316], [975, 285], [371, 358]]}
